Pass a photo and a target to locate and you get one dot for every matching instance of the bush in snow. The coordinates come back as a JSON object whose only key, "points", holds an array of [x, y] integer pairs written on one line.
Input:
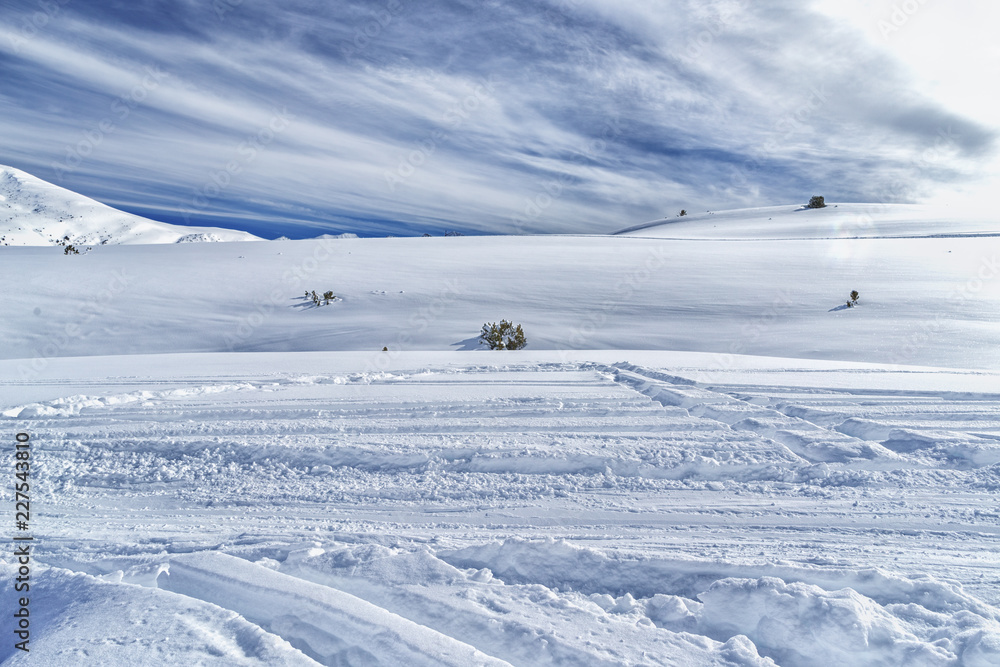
{"points": [[68, 248], [503, 336], [853, 301], [326, 299], [817, 202], [683, 212]]}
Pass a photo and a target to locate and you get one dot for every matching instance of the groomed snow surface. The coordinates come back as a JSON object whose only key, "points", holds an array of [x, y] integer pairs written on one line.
{"points": [[224, 473]]}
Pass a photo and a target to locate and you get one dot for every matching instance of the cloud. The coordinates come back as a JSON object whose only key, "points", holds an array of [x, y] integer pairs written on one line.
{"points": [[394, 116]]}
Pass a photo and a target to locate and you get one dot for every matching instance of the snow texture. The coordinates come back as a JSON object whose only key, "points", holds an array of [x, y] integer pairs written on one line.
{"points": [[698, 460]]}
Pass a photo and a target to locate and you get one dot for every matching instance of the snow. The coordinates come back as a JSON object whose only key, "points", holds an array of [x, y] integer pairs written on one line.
{"points": [[34, 212], [699, 459], [345, 235], [923, 301], [835, 221], [89, 620], [330, 625], [536, 510]]}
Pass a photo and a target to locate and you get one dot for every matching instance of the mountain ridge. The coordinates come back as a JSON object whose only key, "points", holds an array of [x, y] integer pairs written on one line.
{"points": [[34, 212]]}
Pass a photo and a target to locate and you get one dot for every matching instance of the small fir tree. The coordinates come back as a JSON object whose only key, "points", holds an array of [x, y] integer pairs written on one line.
{"points": [[503, 336]]}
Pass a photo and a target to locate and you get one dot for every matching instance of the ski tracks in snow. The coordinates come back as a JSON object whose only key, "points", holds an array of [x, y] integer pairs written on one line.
{"points": [[532, 514]]}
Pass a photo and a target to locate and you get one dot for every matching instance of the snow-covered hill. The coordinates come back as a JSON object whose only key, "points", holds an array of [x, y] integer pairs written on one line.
{"points": [[34, 212], [835, 221]]}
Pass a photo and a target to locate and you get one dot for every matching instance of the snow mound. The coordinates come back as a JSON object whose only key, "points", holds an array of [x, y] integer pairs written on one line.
{"points": [[522, 624], [74, 405], [34, 212], [331, 626], [947, 445], [78, 619], [880, 619], [800, 625], [559, 564]]}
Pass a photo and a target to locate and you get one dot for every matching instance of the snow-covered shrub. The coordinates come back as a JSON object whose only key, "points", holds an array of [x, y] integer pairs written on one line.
{"points": [[503, 336], [326, 299], [817, 202], [853, 301]]}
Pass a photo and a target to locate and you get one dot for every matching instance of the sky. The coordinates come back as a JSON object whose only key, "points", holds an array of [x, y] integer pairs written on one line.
{"points": [[396, 117]]}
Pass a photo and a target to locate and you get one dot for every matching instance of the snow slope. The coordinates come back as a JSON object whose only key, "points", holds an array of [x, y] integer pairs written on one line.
{"points": [[34, 212], [835, 221]]}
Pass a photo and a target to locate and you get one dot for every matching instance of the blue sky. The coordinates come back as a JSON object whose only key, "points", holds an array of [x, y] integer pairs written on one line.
{"points": [[399, 117]]}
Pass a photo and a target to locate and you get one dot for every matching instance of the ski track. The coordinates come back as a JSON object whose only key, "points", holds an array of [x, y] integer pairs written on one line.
{"points": [[579, 513]]}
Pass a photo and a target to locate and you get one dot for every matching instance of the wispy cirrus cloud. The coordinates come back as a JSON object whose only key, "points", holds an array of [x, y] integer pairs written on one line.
{"points": [[396, 117]]}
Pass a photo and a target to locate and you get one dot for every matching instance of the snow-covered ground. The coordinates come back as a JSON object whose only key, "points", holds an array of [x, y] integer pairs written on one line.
{"points": [[923, 300], [540, 511], [703, 457]]}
